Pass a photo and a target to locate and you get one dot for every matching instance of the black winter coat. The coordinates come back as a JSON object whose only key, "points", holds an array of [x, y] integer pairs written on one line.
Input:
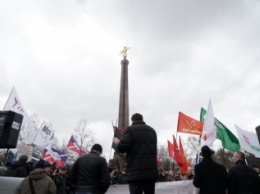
{"points": [[17, 169], [210, 177], [90, 173], [139, 142], [243, 180]]}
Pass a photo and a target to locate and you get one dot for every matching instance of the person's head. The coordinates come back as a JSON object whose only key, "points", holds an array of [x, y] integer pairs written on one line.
{"points": [[97, 148], [189, 170], [23, 158], [137, 117], [238, 156], [206, 152], [48, 167], [63, 170], [40, 164]]}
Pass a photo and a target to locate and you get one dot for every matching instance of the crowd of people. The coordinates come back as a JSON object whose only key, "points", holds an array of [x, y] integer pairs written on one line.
{"points": [[90, 174]]}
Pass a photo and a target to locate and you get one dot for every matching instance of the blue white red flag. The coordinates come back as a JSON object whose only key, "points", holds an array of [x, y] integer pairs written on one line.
{"points": [[73, 146], [54, 156]]}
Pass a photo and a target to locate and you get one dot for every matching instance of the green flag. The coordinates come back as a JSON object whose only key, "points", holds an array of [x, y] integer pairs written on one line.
{"points": [[228, 139]]}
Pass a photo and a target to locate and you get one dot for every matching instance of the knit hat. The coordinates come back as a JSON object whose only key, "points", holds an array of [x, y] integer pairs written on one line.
{"points": [[97, 147], [23, 158], [206, 152], [40, 164]]}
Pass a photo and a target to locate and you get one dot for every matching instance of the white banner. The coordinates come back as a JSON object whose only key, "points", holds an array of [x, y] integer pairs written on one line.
{"points": [[14, 104], [248, 141], [45, 135], [24, 150]]}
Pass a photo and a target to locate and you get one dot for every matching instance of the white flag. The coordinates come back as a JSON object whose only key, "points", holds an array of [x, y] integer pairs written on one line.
{"points": [[248, 141], [14, 104], [209, 128], [45, 135]]}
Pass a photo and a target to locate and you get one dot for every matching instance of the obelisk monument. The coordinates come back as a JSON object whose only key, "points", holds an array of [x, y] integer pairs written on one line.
{"points": [[123, 115]]}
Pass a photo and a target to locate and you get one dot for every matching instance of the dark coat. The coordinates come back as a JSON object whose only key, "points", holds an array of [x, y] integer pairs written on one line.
{"points": [[17, 169], [90, 173], [139, 142], [210, 177], [243, 180]]}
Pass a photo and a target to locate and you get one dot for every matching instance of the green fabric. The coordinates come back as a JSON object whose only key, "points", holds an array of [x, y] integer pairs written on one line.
{"points": [[228, 139]]}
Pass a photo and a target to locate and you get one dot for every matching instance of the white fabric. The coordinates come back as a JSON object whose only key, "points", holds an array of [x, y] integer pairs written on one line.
{"points": [[45, 135], [9, 184], [209, 128], [248, 141], [14, 104]]}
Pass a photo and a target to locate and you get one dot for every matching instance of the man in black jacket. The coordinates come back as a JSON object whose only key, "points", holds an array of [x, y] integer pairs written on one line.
{"points": [[242, 179], [90, 173], [18, 168], [139, 142], [210, 177]]}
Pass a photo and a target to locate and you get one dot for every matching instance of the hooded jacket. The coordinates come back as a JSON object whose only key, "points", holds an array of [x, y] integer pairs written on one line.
{"points": [[42, 183]]}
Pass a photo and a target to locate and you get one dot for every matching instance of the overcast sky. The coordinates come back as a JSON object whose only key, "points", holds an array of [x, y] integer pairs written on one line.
{"points": [[63, 58]]}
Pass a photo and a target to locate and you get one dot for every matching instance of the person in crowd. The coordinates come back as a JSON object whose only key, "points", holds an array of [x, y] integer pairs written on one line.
{"points": [[90, 173], [139, 142], [59, 177], [210, 177], [4, 168], [242, 178], [190, 174], [37, 182], [18, 168], [178, 176], [162, 175]]}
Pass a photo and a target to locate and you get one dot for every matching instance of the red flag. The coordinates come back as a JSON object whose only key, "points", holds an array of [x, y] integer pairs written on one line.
{"points": [[184, 159], [170, 149], [187, 124], [178, 157]]}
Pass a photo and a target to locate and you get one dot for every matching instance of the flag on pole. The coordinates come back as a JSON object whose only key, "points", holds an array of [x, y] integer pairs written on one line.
{"points": [[178, 158], [228, 139], [73, 146], [118, 134], [248, 141], [45, 135], [54, 156], [14, 104], [170, 149], [182, 153], [187, 124], [209, 128]]}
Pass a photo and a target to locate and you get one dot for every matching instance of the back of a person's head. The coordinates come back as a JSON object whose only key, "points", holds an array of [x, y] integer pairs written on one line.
{"points": [[23, 158], [97, 147], [137, 117]]}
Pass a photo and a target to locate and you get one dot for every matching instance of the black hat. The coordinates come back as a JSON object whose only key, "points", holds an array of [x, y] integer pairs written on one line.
{"points": [[40, 164], [23, 158], [206, 152], [97, 147]]}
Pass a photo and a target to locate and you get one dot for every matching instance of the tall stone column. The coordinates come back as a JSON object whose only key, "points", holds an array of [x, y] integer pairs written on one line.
{"points": [[123, 116]]}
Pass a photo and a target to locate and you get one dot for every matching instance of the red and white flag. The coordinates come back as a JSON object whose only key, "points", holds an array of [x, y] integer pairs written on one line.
{"points": [[209, 128]]}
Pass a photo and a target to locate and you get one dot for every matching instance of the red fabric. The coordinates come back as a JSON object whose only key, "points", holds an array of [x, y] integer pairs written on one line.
{"points": [[187, 124]]}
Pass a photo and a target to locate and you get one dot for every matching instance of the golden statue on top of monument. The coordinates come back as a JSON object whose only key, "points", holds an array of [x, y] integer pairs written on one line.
{"points": [[124, 51]]}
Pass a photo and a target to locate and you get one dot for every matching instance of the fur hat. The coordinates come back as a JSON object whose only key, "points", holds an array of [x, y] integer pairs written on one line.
{"points": [[206, 152], [23, 158], [97, 147]]}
